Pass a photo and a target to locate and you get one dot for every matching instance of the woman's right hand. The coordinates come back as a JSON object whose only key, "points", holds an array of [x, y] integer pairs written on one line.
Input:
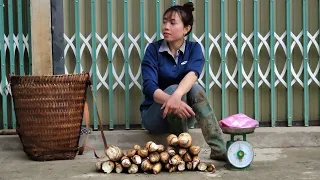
{"points": [[185, 111]]}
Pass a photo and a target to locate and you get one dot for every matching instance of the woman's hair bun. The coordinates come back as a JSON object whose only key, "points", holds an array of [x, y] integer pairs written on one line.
{"points": [[188, 6]]}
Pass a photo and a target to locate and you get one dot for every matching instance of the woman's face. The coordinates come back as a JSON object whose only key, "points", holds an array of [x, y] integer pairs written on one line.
{"points": [[173, 28]]}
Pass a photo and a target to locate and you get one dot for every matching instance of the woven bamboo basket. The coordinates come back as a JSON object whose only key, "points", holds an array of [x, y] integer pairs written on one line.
{"points": [[49, 113]]}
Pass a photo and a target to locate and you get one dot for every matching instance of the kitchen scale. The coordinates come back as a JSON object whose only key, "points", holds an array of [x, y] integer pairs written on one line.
{"points": [[240, 153]]}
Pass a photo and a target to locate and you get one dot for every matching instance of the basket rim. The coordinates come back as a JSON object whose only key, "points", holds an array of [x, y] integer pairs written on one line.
{"points": [[13, 79], [54, 75]]}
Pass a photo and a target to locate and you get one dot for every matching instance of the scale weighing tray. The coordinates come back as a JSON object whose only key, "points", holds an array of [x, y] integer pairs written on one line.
{"points": [[227, 130]]}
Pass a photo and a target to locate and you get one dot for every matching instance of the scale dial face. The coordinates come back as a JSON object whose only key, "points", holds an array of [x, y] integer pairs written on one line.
{"points": [[240, 154]]}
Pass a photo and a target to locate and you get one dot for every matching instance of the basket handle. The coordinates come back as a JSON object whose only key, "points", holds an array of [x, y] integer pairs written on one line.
{"points": [[86, 116]]}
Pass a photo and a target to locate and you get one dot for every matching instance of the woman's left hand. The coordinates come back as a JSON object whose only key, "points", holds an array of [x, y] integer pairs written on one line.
{"points": [[171, 105], [185, 111]]}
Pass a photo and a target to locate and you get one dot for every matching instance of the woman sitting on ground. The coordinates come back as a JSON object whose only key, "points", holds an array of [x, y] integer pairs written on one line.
{"points": [[170, 70]]}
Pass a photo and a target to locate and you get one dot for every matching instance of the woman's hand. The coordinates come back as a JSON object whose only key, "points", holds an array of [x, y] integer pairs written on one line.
{"points": [[176, 106], [171, 105], [185, 111]]}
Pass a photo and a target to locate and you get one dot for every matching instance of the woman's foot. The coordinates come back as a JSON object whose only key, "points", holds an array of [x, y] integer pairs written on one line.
{"points": [[218, 156]]}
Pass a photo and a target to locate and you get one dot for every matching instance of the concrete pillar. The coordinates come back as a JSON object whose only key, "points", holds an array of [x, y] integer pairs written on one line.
{"points": [[40, 13]]}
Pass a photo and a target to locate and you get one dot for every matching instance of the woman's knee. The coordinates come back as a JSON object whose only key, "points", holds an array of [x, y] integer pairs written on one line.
{"points": [[196, 94], [197, 88], [170, 89]]}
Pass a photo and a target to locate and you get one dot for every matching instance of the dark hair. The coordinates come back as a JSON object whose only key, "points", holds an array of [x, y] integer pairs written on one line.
{"points": [[185, 13]]}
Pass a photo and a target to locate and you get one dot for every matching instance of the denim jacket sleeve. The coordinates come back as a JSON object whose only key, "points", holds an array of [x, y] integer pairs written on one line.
{"points": [[196, 60], [149, 71]]}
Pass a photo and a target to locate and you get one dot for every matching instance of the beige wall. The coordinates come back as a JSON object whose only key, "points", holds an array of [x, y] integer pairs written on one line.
{"points": [[214, 25]]}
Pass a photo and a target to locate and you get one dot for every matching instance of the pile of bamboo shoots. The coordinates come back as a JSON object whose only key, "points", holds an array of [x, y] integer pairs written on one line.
{"points": [[179, 155]]}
